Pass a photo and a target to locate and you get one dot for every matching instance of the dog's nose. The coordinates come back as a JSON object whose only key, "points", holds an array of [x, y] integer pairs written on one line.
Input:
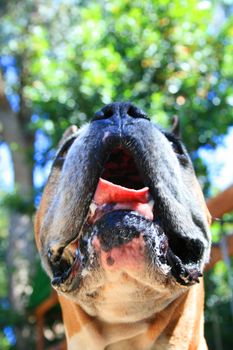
{"points": [[120, 110]]}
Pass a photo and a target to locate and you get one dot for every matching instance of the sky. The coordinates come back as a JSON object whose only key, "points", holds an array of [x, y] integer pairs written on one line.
{"points": [[6, 169], [40, 173], [220, 162]]}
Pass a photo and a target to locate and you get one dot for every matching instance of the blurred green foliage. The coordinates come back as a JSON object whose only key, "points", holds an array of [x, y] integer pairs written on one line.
{"points": [[5, 314], [164, 56], [14, 202], [170, 58]]}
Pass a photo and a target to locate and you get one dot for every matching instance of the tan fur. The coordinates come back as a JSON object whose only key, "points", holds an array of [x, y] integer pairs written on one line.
{"points": [[127, 309], [178, 326]]}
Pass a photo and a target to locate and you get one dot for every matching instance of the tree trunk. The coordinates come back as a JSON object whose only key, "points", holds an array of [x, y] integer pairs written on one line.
{"points": [[21, 249]]}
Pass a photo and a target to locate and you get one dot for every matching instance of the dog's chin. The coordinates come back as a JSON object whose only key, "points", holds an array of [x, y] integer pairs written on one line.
{"points": [[126, 241], [123, 241]]}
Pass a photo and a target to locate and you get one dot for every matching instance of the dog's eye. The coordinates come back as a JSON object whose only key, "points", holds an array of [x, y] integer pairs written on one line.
{"points": [[61, 156], [178, 150], [59, 161]]}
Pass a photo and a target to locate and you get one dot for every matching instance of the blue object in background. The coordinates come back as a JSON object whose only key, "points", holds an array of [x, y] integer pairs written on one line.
{"points": [[9, 334]]}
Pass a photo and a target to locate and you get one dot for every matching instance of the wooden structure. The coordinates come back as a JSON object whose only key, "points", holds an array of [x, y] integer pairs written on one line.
{"points": [[40, 313], [221, 204], [216, 252], [218, 206]]}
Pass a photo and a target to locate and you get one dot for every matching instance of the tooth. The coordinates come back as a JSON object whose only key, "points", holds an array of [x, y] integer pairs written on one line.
{"points": [[151, 203], [93, 208]]}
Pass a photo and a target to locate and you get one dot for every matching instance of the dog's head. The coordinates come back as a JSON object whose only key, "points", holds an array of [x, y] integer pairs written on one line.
{"points": [[122, 215]]}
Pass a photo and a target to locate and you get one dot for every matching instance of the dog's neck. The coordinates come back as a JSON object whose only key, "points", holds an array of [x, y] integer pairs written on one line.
{"points": [[179, 326]]}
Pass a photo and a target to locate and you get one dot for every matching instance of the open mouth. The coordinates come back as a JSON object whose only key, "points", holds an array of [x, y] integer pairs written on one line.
{"points": [[121, 188], [123, 209]]}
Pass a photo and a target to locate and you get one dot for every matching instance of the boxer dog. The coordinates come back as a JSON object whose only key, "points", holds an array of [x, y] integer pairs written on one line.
{"points": [[123, 233]]}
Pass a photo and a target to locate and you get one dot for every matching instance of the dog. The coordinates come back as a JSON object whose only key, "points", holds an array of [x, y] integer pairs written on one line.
{"points": [[123, 233]]}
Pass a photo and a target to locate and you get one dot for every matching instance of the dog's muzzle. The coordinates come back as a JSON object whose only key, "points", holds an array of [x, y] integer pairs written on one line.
{"points": [[122, 185]]}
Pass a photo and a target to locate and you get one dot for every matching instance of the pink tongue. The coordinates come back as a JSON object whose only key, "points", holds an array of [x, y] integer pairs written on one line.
{"points": [[107, 192]]}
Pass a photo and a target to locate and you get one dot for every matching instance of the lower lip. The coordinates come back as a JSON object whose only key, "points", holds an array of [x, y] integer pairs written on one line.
{"points": [[129, 256]]}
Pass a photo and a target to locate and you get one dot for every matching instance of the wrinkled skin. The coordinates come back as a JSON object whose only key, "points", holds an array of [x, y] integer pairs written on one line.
{"points": [[122, 267]]}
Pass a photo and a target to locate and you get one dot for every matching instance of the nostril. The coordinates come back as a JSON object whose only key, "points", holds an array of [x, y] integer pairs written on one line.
{"points": [[120, 110], [105, 113], [109, 112], [136, 112]]}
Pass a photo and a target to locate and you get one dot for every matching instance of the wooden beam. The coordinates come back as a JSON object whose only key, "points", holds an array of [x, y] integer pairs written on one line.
{"points": [[216, 252], [218, 206], [40, 312], [60, 346], [47, 304], [221, 204], [40, 333]]}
